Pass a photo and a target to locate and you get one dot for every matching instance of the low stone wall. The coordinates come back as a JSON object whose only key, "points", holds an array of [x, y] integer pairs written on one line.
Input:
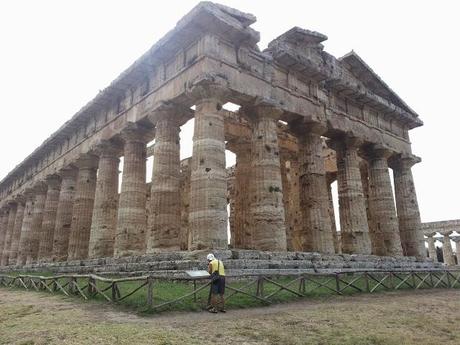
{"points": [[236, 262]]}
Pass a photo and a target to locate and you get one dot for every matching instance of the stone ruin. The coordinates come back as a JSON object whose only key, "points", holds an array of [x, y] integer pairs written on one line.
{"points": [[306, 119]]}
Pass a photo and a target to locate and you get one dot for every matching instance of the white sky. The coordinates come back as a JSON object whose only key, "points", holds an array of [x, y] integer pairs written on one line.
{"points": [[56, 56]]}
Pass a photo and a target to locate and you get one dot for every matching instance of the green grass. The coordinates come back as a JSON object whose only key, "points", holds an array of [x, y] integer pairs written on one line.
{"points": [[168, 290]]}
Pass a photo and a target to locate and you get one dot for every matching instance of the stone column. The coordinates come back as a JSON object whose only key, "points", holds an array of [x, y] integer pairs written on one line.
{"points": [[130, 236], [24, 243], [408, 212], [36, 225], [330, 178], [447, 251], [381, 204], [83, 204], [432, 248], [64, 213], [3, 227], [17, 230], [364, 169], [9, 233], [456, 239], [105, 212], [185, 235], [165, 221], [208, 182], [242, 236], [266, 207], [352, 205], [317, 227], [45, 250]]}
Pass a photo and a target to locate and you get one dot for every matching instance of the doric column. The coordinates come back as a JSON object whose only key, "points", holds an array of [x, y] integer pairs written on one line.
{"points": [[408, 212], [20, 200], [37, 219], [330, 178], [242, 236], [352, 205], [45, 250], [447, 251], [266, 207], [432, 248], [3, 227], [105, 212], [364, 169], [185, 235], [24, 243], [9, 233], [456, 239], [165, 222], [83, 204], [317, 228], [132, 215], [208, 182], [64, 213], [381, 204]]}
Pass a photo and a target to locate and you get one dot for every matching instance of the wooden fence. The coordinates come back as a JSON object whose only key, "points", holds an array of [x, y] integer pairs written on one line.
{"points": [[264, 289]]}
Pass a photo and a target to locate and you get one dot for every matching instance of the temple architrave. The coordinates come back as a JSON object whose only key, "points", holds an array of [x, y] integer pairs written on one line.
{"points": [[305, 120]]}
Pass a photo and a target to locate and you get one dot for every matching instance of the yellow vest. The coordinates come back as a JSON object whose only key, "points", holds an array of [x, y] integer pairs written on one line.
{"points": [[215, 264]]}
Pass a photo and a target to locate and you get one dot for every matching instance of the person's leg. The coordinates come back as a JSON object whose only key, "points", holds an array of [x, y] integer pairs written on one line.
{"points": [[221, 294]]}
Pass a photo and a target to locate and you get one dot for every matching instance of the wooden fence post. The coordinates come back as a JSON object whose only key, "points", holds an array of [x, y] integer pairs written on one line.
{"points": [[337, 283], [150, 292], [260, 287]]}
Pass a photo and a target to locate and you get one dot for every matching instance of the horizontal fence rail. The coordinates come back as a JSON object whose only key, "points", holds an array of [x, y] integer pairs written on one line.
{"points": [[152, 293]]}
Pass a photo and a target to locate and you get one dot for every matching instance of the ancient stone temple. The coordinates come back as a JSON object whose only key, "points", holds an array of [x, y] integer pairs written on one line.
{"points": [[305, 119]]}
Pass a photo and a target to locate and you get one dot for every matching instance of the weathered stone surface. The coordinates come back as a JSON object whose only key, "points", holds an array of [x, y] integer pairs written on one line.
{"points": [[330, 178], [353, 216], [36, 225], [185, 234], [5, 255], [64, 213], [132, 216], [408, 212], [26, 228], [316, 233], [164, 219], [82, 211], [381, 204], [4, 215], [104, 218], [447, 251], [208, 183], [45, 250], [432, 248], [267, 209], [17, 230]]}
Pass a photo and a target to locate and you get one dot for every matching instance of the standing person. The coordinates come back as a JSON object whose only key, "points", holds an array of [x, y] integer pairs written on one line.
{"points": [[217, 271]]}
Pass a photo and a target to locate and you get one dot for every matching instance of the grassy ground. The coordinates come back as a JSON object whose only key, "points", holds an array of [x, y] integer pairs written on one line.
{"points": [[428, 317]]}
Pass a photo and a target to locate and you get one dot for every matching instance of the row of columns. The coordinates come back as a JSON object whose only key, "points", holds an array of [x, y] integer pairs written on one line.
{"points": [[78, 213], [447, 251]]}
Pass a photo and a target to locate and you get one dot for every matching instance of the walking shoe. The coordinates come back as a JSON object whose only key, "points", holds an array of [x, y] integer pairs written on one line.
{"points": [[212, 310]]}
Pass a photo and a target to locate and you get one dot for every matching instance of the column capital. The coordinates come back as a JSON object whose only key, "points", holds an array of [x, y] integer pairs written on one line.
{"points": [[135, 132], [301, 129], [456, 239], [53, 181], [345, 141], [176, 114], [239, 146], [263, 108], [376, 151], [403, 161], [108, 148], [87, 161], [208, 86], [20, 199], [69, 171], [11, 202], [40, 188]]}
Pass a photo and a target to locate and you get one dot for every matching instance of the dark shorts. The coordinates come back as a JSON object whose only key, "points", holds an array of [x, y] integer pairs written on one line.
{"points": [[218, 286]]}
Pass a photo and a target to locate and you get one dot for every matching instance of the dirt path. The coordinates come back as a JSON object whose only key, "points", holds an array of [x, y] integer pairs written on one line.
{"points": [[409, 317]]}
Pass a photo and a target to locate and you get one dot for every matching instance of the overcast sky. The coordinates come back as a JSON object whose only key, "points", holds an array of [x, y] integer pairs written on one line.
{"points": [[56, 56]]}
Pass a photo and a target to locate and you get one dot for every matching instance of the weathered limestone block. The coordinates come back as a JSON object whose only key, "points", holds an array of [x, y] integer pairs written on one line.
{"points": [[208, 182], [316, 234], [26, 228], [242, 236], [165, 205], [3, 227], [291, 198], [9, 233], [447, 251], [185, 235], [36, 225], [432, 248], [352, 206], [83, 204], [17, 230], [410, 225], [266, 207], [45, 250], [105, 211], [64, 213], [381, 204], [330, 178], [132, 214]]}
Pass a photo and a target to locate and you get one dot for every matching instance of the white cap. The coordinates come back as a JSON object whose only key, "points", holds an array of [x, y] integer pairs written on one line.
{"points": [[210, 257]]}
